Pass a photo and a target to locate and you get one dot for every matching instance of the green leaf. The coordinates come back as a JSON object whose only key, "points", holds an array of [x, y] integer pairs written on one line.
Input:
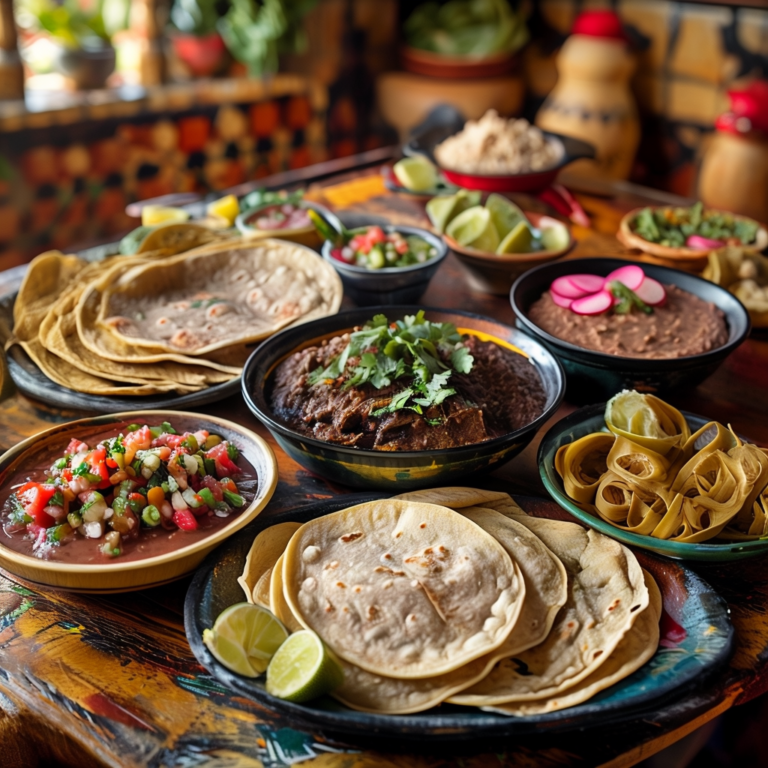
{"points": [[462, 360]]}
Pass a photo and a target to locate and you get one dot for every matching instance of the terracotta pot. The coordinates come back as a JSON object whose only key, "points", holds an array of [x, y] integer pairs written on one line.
{"points": [[202, 55], [456, 67], [88, 67]]}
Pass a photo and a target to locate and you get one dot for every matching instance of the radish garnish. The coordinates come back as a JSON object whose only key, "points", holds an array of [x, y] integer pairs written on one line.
{"points": [[595, 304], [651, 292], [564, 286], [699, 243], [561, 301], [632, 276], [587, 283]]}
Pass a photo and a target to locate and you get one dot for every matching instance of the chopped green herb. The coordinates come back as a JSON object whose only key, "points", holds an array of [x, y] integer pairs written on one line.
{"points": [[133, 427], [232, 451], [57, 500], [235, 499], [627, 299], [17, 515]]}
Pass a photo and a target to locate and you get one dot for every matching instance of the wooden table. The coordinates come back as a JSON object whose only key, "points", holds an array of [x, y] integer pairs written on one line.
{"points": [[93, 681]]}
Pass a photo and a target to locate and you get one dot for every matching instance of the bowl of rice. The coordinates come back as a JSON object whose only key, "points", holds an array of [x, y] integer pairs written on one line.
{"points": [[498, 155]]}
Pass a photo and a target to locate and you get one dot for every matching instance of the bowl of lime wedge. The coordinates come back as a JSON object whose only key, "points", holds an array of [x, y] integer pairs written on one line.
{"points": [[496, 241]]}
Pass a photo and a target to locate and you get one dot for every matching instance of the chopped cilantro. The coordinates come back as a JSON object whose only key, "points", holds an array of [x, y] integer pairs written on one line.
{"points": [[384, 352], [57, 500], [232, 451], [17, 515], [114, 445]]}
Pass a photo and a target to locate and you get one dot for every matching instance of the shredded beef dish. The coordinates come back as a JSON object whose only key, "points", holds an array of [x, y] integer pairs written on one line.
{"points": [[502, 393]]}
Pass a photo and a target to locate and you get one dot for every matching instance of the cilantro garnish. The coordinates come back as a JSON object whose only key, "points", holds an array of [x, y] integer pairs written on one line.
{"points": [[382, 352], [627, 299], [17, 515], [114, 445], [232, 452], [82, 469]]}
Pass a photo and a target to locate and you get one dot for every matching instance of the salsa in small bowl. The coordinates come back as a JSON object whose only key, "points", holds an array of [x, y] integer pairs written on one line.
{"points": [[288, 220], [385, 265]]}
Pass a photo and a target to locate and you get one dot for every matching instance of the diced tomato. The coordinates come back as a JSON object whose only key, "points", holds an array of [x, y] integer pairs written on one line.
{"points": [[199, 511], [111, 463], [375, 235], [185, 520], [401, 247], [34, 497], [97, 461], [357, 241], [77, 446], [66, 474], [167, 439], [140, 440], [214, 486], [224, 465]]}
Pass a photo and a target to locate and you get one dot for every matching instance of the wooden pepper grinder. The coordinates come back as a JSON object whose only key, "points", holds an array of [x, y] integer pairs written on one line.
{"points": [[734, 169], [592, 99]]}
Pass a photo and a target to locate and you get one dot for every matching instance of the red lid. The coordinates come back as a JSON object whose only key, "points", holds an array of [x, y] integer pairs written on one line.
{"points": [[749, 109], [599, 23]]}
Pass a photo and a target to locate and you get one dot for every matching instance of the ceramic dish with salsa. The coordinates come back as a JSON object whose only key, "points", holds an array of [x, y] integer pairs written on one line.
{"points": [[111, 503]]}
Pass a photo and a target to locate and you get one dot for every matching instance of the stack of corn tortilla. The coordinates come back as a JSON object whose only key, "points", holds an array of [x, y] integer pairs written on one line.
{"points": [[457, 595]]}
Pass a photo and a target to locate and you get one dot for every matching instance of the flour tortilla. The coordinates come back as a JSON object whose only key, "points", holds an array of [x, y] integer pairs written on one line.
{"points": [[262, 556], [607, 592], [260, 288], [277, 601], [545, 591], [636, 648], [402, 589]]}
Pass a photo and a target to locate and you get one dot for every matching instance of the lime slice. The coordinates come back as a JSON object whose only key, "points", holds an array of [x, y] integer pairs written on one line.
{"points": [[519, 240], [416, 173], [244, 638], [504, 214], [555, 238], [303, 668], [152, 215], [225, 207], [474, 229], [443, 209]]}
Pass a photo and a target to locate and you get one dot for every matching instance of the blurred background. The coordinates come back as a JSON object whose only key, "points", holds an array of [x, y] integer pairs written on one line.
{"points": [[103, 102]]}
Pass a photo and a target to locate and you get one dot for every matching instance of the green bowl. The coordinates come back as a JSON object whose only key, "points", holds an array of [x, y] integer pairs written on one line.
{"points": [[588, 420]]}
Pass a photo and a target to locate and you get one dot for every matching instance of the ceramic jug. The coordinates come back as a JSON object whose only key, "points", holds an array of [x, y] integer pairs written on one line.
{"points": [[734, 168], [592, 99]]}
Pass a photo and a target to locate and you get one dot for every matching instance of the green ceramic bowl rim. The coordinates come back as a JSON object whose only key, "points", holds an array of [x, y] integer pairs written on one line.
{"points": [[569, 427]]}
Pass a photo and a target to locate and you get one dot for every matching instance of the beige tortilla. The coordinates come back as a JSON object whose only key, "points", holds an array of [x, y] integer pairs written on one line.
{"points": [[635, 649], [545, 591], [607, 592], [402, 589], [277, 602], [260, 286], [262, 556]]}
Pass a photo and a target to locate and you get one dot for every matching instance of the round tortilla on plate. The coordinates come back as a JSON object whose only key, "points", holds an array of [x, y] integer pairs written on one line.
{"points": [[402, 589]]}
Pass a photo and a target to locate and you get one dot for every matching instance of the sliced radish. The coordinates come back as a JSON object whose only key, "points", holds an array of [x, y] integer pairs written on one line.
{"points": [[651, 292], [595, 304], [631, 276], [561, 301], [565, 287], [587, 283], [699, 243]]}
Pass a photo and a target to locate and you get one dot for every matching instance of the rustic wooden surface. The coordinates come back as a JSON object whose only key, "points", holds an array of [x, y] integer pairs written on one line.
{"points": [[93, 681]]}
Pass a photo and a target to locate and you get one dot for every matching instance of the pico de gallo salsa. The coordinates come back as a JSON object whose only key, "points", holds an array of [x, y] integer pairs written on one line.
{"points": [[375, 249], [283, 216], [124, 487]]}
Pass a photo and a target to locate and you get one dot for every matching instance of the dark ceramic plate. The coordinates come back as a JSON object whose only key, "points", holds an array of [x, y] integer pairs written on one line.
{"points": [[591, 374], [398, 471], [587, 421], [697, 637]]}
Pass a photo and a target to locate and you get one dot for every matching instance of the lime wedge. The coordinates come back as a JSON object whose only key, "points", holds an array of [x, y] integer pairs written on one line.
{"points": [[160, 214], [416, 173], [555, 238], [244, 638], [443, 209], [303, 668], [519, 240], [504, 214], [474, 229]]}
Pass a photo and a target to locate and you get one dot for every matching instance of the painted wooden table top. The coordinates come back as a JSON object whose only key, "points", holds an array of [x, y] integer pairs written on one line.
{"points": [[95, 681]]}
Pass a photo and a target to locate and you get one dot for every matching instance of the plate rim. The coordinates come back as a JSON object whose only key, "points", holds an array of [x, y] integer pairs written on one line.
{"points": [[423, 725]]}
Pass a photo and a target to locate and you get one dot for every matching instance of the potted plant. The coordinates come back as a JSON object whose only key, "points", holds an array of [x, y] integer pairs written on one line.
{"points": [[195, 39], [82, 38], [257, 31]]}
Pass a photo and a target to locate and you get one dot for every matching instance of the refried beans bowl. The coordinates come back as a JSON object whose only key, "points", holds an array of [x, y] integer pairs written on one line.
{"points": [[593, 375], [400, 470]]}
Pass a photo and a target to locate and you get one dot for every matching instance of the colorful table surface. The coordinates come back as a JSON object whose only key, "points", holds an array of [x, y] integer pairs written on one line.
{"points": [[94, 681]]}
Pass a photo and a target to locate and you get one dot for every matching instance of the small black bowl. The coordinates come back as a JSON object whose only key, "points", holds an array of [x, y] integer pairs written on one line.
{"points": [[389, 285], [395, 471], [594, 375]]}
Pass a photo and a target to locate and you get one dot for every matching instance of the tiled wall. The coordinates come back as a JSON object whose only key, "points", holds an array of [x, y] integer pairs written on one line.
{"points": [[689, 56]]}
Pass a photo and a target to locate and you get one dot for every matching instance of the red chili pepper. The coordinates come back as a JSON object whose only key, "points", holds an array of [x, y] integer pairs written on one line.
{"points": [[185, 520]]}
